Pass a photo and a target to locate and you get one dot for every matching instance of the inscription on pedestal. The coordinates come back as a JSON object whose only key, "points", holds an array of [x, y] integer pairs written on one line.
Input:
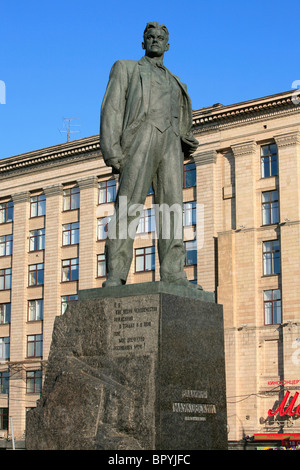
{"points": [[134, 326], [191, 408]]}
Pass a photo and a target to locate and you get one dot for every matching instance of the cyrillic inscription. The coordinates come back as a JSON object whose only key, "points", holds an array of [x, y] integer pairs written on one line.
{"points": [[194, 394], [134, 329], [193, 408]]}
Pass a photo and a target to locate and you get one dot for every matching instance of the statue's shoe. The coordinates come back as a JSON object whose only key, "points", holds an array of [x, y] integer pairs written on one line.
{"points": [[112, 283]]}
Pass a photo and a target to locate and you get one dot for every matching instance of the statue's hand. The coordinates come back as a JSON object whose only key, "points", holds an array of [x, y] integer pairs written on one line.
{"points": [[116, 164], [189, 144]]}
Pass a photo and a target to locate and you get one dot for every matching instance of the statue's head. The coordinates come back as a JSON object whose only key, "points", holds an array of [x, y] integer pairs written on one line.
{"points": [[156, 39]]}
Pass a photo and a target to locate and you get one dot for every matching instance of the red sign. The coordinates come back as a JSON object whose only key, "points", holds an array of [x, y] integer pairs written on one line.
{"points": [[289, 409]]}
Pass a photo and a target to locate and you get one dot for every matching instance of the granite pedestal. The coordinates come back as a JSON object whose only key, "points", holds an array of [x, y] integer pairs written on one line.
{"points": [[138, 367]]}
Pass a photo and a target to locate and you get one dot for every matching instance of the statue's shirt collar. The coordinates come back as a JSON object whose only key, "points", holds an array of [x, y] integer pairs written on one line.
{"points": [[154, 62]]}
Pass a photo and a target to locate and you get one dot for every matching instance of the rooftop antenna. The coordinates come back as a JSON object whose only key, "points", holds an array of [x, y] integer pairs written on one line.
{"points": [[67, 127]]}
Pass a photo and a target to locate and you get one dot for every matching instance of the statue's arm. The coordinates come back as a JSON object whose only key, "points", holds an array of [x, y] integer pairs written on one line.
{"points": [[188, 141], [112, 115]]}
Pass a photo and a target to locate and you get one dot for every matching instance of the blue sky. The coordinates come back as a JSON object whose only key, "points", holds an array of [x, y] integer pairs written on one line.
{"points": [[56, 56]]}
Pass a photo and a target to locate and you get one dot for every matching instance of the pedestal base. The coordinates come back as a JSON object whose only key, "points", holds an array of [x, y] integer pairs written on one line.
{"points": [[138, 367]]}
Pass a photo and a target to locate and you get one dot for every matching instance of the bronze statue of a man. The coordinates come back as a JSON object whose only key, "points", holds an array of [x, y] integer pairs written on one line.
{"points": [[145, 131]]}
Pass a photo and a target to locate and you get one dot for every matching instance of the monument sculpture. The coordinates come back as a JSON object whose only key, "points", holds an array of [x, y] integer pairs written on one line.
{"points": [[139, 366], [146, 129]]}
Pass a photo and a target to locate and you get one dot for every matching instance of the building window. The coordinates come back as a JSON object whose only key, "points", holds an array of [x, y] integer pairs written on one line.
{"points": [[145, 259], [147, 221], [102, 227], [71, 198], [37, 205], [189, 213], [37, 239], [151, 190], [4, 382], [191, 252], [101, 266], [36, 274], [34, 345], [189, 175], [70, 270], [5, 313], [107, 191], [5, 279], [6, 245], [269, 160], [70, 234], [67, 300], [4, 419], [4, 348], [6, 212], [34, 381], [270, 207], [272, 306], [35, 310], [271, 257]]}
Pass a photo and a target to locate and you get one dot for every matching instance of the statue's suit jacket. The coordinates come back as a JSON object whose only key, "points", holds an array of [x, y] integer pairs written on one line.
{"points": [[125, 106]]}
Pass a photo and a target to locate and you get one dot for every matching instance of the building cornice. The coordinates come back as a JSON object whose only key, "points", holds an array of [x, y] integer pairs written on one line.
{"points": [[204, 120], [58, 154], [219, 116]]}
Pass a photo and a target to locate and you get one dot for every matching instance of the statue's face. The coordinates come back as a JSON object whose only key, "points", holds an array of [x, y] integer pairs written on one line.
{"points": [[155, 42]]}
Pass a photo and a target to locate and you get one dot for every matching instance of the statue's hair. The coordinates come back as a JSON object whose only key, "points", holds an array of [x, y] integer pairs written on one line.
{"points": [[154, 24]]}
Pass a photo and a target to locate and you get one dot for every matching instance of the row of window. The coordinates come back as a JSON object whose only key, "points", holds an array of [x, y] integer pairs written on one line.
{"points": [[71, 196], [70, 236], [107, 189], [36, 274], [70, 267], [33, 382], [147, 220], [272, 299], [70, 232], [35, 309], [144, 259], [34, 347]]}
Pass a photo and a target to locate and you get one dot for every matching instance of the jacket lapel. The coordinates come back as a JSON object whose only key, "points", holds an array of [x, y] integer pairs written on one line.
{"points": [[145, 73]]}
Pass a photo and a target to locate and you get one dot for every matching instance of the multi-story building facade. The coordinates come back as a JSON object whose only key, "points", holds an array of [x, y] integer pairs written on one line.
{"points": [[241, 228]]}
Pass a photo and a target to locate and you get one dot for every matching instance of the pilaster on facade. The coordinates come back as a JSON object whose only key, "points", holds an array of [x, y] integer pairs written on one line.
{"points": [[52, 261], [19, 267], [88, 232], [288, 139], [289, 196], [289, 175], [20, 197], [53, 190], [288, 145], [246, 162], [243, 149], [206, 157], [89, 182], [205, 231], [19, 286]]}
